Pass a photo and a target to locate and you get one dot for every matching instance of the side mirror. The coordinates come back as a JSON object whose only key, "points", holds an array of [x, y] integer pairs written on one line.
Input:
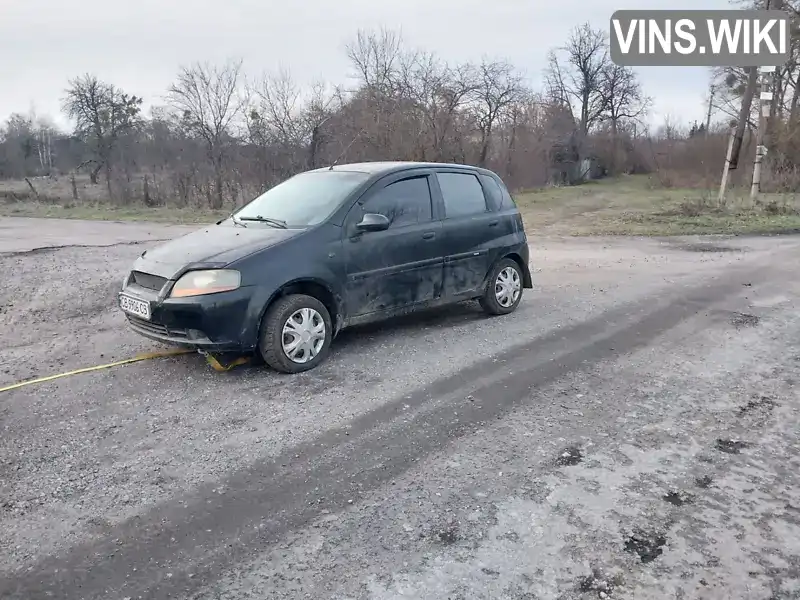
{"points": [[373, 222]]}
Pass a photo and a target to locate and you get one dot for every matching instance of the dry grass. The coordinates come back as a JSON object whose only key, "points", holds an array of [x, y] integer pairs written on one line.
{"points": [[636, 205], [104, 212], [53, 199]]}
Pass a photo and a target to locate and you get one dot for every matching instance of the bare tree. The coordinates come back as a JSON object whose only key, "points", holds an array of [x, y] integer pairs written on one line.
{"points": [[103, 114], [322, 105], [575, 76], [19, 145], [378, 105], [210, 100], [622, 96], [437, 92], [376, 56], [498, 87]]}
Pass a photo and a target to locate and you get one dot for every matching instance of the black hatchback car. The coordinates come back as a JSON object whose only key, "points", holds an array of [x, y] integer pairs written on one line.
{"points": [[331, 248]]}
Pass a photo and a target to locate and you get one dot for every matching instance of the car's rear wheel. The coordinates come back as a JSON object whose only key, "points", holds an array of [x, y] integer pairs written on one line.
{"points": [[504, 289], [295, 334]]}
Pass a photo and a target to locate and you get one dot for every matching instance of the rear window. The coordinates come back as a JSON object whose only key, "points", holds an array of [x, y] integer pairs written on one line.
{"points": [[498, 193], [508, 199]]}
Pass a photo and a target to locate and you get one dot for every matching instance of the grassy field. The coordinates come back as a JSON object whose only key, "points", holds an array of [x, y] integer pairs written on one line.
{"points": [[634, 206], [627, 206]]}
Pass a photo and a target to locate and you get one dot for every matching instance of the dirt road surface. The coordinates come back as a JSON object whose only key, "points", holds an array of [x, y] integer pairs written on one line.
{"points": [[632, 431]]}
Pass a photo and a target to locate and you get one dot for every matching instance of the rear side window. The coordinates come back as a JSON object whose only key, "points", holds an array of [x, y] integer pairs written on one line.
{"points": [[492, 190], [508, 200], [404, 202], [498, 193], [462, 194]]}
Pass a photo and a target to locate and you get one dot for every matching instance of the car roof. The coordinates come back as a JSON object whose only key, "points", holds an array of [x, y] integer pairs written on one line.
{"points": [[384, 167]]}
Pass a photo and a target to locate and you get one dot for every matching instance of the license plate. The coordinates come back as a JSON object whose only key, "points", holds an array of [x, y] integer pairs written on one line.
{"points": [[138, 308]]}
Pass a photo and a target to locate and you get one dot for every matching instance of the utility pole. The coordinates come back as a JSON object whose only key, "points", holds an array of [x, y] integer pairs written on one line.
{"points": [[737, 135], [744, 115], [765, 99], [766, 85]]}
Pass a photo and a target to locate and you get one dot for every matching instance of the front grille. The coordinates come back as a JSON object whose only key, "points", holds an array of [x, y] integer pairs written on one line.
{"points": [[156, 328], [147, 281]]}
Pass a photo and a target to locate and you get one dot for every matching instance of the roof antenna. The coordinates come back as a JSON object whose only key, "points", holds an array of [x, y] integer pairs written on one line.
{"points": [[338, 158]]}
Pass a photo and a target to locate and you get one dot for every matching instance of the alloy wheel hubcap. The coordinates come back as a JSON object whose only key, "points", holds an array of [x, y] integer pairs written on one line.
{"points": [[507, 287], [303, 335]]}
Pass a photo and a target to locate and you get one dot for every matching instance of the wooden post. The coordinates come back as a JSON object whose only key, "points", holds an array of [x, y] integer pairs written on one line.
{"points": [[725, 170], [765, 100]]}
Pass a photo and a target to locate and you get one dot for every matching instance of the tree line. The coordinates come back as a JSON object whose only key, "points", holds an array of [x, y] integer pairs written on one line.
{"points": [[221, 137]]}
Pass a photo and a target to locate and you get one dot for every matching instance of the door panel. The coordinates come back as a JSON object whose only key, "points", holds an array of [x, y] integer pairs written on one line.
{"points": [[469, 229], [467, 259], [399, 267], [393, 269]]}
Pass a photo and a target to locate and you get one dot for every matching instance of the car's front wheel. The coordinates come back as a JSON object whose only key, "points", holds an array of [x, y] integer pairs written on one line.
{"points": [[504, 289], [296, 334]]}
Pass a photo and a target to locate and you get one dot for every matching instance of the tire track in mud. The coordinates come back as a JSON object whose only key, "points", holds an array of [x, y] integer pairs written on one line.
{"points": [[195, 538]]}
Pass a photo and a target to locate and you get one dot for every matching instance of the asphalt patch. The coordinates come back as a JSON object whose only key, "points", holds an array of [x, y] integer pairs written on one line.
{"points": [[570, 457], [757, 404], [447, 534], [511, 536], [704, 482], [599, 582], [678, 498], [647, 544], [731, 446], [741, 320]]}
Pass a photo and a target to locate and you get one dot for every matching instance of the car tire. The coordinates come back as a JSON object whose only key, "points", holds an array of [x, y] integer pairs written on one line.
{"points": [[305, 313], [507, 275]]}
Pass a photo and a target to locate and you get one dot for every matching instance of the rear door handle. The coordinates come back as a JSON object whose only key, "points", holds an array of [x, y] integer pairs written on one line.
{"points": [[428, 235], [493, 223]]}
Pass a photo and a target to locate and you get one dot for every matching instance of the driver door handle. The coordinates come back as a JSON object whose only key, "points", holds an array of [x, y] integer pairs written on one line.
{"points": [[428, 235]]}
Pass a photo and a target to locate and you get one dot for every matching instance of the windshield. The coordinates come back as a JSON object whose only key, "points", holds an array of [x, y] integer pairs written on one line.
{"points": [[305, 199]]}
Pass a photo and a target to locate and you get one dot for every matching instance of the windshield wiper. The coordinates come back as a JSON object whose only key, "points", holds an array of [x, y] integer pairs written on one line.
{"points": [[274, 222], [236, 220]]}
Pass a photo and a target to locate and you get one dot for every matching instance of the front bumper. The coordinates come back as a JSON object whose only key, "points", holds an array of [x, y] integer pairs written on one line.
{"points": [[214, 323]]}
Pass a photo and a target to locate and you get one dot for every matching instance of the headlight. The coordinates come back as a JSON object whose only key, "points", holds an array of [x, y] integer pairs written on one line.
{"points": [[199, 283]]}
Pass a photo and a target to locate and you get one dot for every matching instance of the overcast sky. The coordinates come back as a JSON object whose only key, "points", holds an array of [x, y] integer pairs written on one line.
{"points": [[139, 44]]}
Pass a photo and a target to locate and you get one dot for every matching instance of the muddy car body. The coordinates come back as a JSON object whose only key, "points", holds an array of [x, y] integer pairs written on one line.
{"points": [[328, 249]]}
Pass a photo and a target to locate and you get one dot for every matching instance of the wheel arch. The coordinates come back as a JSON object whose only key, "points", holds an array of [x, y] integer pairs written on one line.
{"points": [[309, 286], [527, 280]]}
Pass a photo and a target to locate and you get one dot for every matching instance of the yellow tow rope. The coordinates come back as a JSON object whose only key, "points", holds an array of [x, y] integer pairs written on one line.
{"points": [[212, 360], [137, 358]]}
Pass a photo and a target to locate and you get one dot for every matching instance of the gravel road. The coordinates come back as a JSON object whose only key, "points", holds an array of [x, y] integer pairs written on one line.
{"points": [[631, 431]]}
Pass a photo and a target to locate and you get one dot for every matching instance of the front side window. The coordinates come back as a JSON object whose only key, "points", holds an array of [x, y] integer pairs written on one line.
{"points": [[405, 202], [304, 200], [462, 194]]}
